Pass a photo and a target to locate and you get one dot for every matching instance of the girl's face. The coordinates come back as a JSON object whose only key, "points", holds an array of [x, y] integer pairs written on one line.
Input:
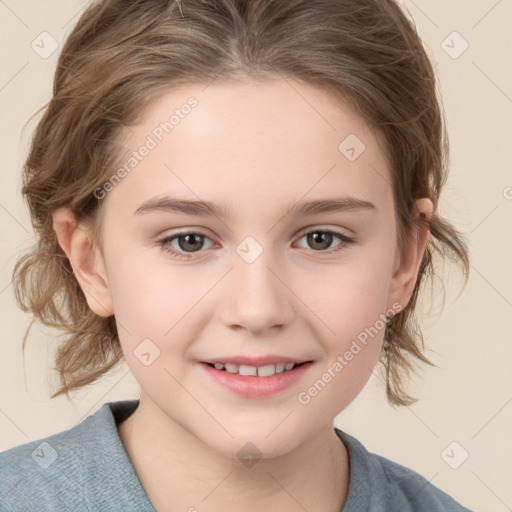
{"points": [[258, 277]]}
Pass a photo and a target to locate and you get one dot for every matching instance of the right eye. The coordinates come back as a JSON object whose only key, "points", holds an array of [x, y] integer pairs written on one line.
{"points": [[185, 240]]}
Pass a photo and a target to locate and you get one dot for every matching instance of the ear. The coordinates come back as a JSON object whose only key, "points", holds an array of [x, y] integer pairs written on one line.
{"points": [[86, 260], [406, 268]]}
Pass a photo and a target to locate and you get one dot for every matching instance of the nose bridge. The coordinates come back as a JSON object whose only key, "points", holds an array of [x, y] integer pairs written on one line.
{"points": [[257, 297]]}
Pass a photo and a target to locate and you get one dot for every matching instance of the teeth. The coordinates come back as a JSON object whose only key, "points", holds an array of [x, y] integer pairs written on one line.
{"points": [[280, 367], [267, 370], [247, 370], [260, 371], [231, 368]]}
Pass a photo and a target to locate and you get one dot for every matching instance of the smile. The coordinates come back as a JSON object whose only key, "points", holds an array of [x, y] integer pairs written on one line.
{"points": [[255, 381], [255, 371]]}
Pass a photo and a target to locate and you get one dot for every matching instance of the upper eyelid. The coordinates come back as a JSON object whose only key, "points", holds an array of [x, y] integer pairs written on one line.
{"points": [[338, 231]]}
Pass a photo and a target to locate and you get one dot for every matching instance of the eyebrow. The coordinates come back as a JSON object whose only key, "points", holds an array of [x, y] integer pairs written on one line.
{"points": [[206, 208]]}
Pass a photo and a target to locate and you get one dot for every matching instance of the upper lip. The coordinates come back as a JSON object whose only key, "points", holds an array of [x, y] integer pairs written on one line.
{"points": [[256, 361]]}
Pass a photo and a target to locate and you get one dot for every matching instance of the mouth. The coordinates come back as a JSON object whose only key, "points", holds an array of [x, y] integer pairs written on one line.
{"points": [[256, 381], [266, 370]]}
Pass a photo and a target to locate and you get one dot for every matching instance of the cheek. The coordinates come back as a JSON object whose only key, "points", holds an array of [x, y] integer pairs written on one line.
{"points": [[154, 295], [159, 313], [350, 301], [351, 333], [348, 298]]}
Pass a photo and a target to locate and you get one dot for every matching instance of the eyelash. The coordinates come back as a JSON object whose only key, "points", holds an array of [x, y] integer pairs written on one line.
{"points": [[165, 242]]}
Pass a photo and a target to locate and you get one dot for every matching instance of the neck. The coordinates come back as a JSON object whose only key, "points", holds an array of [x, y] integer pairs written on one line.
{"points": [[180, 472]]}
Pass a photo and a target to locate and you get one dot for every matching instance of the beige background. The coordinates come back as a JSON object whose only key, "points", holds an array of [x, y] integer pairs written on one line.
{"points": [[468, 399]]}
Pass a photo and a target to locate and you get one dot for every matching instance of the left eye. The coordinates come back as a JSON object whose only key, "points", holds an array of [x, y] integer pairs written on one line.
{"points": [[325, 239], [191, 242]]}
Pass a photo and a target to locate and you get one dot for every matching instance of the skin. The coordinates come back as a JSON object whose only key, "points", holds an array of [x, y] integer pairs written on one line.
{"points": [[257, 147]]}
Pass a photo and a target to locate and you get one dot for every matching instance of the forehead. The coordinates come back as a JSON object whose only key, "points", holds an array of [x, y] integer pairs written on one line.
{"points": [[250, 144]]}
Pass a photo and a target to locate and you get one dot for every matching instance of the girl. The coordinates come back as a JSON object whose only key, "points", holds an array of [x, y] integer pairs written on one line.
{"points": [[298, 146]]}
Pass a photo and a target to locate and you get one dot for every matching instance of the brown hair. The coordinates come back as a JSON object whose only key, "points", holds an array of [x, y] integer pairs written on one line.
{"points": [[122, 54]]}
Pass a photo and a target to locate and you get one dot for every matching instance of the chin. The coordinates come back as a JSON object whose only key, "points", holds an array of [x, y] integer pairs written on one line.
{"points": [[252, 445]]}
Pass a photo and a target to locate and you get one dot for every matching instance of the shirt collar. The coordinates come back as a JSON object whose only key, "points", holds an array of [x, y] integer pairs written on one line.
{"points": [[106, 454]]}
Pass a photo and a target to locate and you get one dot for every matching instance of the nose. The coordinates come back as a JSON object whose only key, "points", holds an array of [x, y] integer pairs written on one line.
{"points": [[256, 296]]}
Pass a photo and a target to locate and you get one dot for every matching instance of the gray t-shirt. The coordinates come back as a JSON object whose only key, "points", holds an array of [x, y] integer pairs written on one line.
{"points": [[86, 468]]}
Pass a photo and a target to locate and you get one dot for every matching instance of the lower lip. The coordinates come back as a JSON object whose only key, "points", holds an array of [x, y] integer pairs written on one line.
{"points": [[256, 387]]}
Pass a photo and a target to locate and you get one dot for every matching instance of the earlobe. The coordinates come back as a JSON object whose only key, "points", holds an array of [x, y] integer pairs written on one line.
{"points": [[405, 276], [86, 260]]}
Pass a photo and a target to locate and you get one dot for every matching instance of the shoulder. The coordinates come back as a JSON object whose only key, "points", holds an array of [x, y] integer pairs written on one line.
{"points": [[415, 488], [82, 468], [42, 473], [387, 485]]}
